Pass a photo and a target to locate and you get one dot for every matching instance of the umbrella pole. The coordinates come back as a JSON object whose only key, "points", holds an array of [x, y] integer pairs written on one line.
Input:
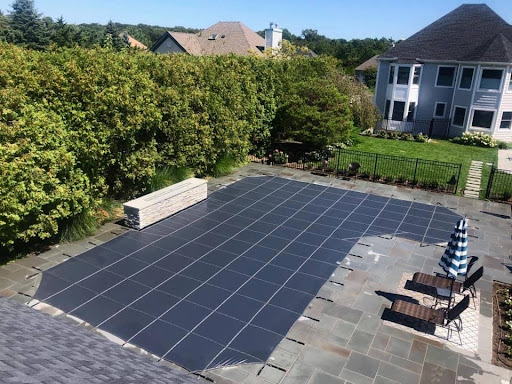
{"points": [[451, 294]]}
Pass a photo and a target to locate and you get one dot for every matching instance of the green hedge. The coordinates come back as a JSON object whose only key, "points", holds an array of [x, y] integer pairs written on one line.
{"points": [[77, 125]]}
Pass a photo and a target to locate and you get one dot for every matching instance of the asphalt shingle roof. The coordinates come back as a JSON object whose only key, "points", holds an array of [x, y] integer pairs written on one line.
{"points": [[37, 348], [471, 32], [231, 37]]}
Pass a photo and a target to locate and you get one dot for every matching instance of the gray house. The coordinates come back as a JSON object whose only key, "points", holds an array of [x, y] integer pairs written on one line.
{"points": [[457, 69]]}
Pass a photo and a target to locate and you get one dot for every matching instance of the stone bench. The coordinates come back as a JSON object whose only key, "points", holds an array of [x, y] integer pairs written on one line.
{"points": [[149, 209]]}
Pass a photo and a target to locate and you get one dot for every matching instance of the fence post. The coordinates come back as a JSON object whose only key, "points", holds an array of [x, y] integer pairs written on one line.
{"points": [[415, 172], [458, 178], [490, 181], [375, 166], [338, 163]]}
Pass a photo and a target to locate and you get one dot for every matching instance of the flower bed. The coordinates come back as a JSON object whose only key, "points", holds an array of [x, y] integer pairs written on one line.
{"points": [[502, 325]]}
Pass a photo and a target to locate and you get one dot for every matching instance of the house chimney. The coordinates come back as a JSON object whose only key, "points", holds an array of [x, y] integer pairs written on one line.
{"points": [[273, 36]]}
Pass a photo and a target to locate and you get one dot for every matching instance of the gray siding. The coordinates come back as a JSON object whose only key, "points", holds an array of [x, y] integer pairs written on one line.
{"points": [[381, 86], [169, 46], [429, 94], [487, 100]]}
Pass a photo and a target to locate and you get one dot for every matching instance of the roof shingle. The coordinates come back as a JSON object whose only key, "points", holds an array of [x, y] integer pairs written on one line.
{"points": [[37, 348], [471, 32]]}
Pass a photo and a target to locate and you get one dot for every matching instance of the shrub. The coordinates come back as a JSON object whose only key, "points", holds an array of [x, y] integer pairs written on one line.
{"points": [[279, 157], [407, 137], [476, 139], [394, 135], [167, 176], [315, 113], [382, 134], [420, 138], [41, 184]]}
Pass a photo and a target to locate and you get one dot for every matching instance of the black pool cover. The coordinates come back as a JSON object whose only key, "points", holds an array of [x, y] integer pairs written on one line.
{"points": [[222, 282]]}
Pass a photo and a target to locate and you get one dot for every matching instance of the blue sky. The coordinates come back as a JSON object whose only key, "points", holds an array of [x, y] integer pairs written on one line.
{"points": [[334, 18]]}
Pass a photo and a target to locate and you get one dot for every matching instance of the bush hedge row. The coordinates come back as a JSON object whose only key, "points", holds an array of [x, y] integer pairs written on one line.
{"points": [[77, 125]]}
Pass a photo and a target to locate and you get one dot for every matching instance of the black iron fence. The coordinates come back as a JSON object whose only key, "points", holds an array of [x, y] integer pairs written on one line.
{"points": [[411, 172], [432, 128], [500, 185]]}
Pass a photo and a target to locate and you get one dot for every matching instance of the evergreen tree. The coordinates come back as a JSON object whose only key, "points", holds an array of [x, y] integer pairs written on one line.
{"points": [[64, 35], [112, 38], [26, 26]]}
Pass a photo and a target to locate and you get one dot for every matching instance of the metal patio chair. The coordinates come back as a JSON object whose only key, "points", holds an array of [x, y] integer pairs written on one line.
{"points": [[438, 317]]}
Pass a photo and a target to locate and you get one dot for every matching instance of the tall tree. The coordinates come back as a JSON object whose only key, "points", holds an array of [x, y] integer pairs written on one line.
{"points": [[64, 35], [112, 39], [26, 26]]}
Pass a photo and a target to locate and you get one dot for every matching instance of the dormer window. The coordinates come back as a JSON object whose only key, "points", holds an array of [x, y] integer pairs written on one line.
{"points": [[213, 37]]}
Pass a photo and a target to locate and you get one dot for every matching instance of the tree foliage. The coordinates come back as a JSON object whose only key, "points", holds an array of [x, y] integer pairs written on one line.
{"points": [[26, 27], [315, 113], [78, 124]]}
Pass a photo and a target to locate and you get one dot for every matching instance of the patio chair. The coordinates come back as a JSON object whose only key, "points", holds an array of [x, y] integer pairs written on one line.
{"points": [[443, 284], [435, 316]]}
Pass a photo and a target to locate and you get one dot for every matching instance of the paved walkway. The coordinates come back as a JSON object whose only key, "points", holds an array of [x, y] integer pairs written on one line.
{"points": [[474, 181], [343, 338], [505, 159]]}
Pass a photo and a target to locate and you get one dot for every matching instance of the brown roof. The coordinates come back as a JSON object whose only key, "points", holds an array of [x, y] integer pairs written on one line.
{"points": [[188, 41], [370, 63], [133, 43], [221, 38]]}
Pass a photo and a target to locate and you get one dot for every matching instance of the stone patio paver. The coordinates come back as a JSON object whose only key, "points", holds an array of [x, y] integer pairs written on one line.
{"points": [[350, 330]]}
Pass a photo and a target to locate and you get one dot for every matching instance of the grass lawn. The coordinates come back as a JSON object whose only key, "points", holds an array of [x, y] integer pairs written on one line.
{"points": [[440, 150]]}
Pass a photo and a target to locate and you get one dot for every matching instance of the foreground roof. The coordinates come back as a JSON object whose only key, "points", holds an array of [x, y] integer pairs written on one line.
{"points": [[471, 32], [37, 348], [220, 38]]}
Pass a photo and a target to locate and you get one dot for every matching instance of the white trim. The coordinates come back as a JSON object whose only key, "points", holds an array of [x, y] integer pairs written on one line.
{"points": [[480, 89], [377, 84], [419, 77], [493, 122], [444, 110], [454, 76], [392, 67], [498, 126], [508, 80], [472, 78], [465, 116]]}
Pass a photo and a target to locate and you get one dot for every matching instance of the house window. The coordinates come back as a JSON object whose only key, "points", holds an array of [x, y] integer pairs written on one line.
{"points": [[398, 110], [482, 119], [391, 74], [403, 75], [466, 79], [506, 120], [491, 79], [459, 116], [410, 113], [386, 111], [439, 110], [445, 76], [416, 76]]}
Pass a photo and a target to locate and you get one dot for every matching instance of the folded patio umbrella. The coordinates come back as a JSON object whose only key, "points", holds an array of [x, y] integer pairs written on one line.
{"points": [[454, 259]]}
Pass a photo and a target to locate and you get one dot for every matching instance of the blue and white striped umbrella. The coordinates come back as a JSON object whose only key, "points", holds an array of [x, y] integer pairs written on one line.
{"points": [[454, 260]]}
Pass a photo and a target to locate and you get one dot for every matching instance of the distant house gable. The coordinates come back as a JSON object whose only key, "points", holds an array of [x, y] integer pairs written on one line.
{"points": [[221, 38]]}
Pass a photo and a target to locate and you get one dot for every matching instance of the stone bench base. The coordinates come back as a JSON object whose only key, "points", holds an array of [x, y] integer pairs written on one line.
{"points": [[149, 209]]}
